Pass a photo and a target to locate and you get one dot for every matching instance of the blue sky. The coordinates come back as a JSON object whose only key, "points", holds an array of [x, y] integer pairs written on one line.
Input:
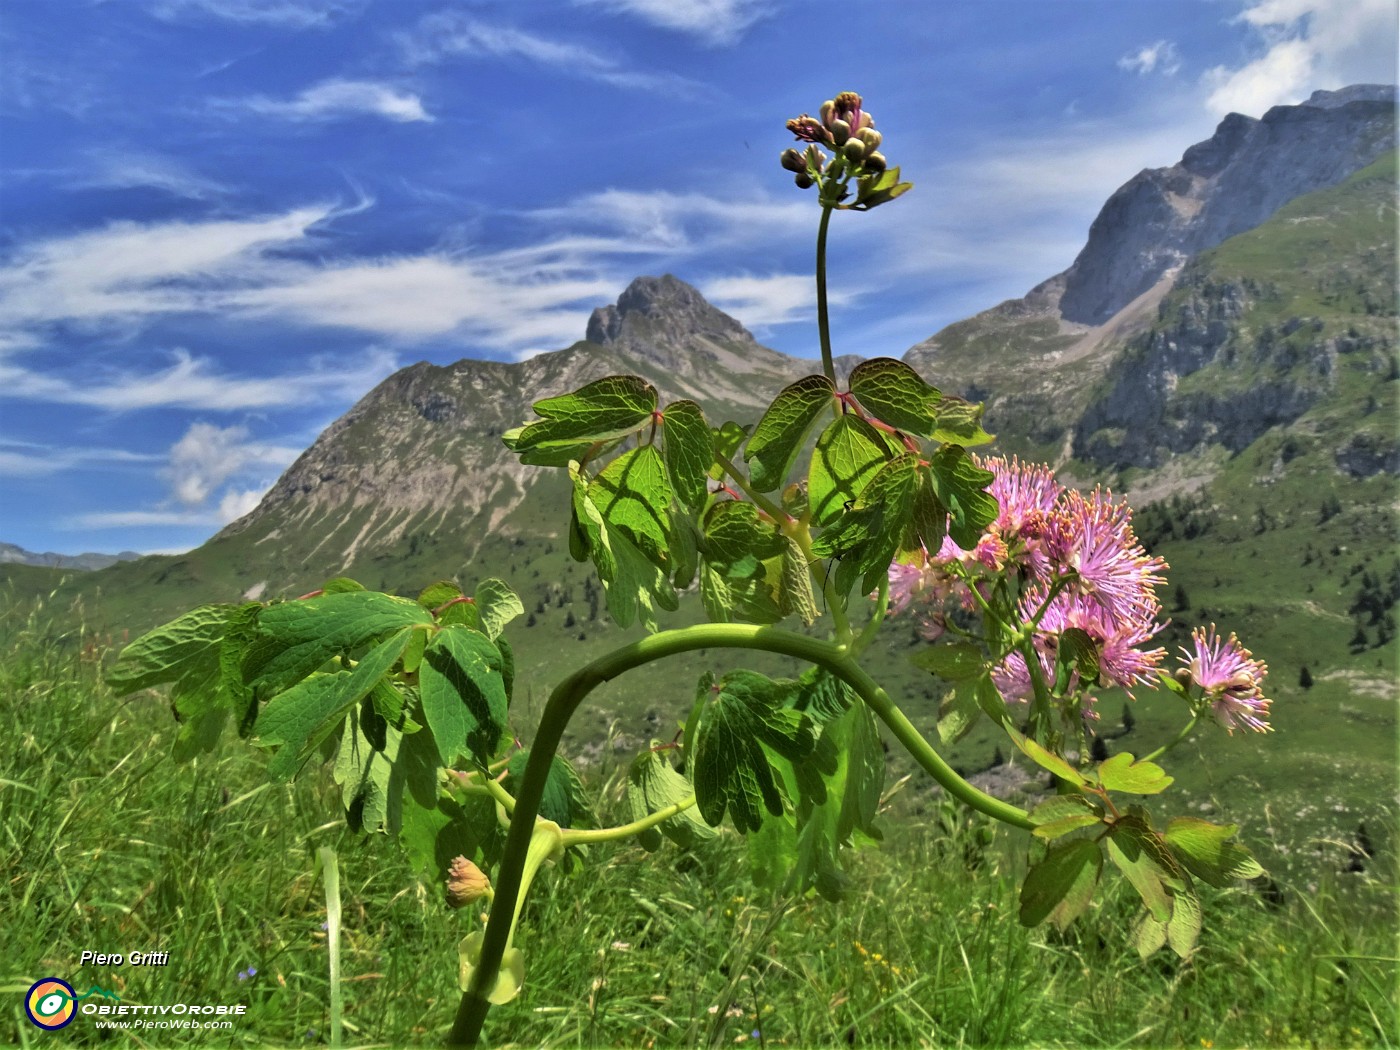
{"points": [[223, 221]]}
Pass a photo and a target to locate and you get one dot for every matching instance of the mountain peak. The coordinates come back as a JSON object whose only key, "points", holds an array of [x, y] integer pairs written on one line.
{"points": [[661, 306], [1225, 185]]}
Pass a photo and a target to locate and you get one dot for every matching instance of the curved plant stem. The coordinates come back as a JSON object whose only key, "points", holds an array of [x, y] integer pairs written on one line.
{"points": [[1185, 732], [877, 617], [565, 699], [823, 324], [575, 836]]}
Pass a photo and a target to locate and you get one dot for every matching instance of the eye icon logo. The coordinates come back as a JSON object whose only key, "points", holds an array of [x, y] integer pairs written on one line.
{"points": [[51, 1003]]}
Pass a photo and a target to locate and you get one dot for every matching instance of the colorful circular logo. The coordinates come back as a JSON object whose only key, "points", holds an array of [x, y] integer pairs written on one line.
{"points": [[51, 1003]]}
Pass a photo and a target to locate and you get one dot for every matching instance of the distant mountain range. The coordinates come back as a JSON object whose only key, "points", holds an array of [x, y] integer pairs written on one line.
{"points": [[1250, 287], [13, 555]]}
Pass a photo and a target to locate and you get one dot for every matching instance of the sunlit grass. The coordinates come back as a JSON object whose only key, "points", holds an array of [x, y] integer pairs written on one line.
{"points": [[110, 846]]}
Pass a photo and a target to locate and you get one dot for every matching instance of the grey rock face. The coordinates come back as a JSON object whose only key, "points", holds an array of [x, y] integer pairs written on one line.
{"points": [[1228, 184]]}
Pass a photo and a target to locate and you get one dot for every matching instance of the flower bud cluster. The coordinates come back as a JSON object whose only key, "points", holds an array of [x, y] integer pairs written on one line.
{"points": [[1080, 566], [843, 126]]}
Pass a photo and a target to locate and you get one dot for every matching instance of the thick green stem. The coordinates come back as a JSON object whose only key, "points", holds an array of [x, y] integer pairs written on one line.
{"points": [[823, 323], [565, 699]]}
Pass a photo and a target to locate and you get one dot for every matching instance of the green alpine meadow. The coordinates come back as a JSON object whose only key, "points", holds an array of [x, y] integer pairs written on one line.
{"points": [[1034, 687]]}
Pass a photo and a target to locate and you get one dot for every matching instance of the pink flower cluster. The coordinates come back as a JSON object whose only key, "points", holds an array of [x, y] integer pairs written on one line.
{"points": [[1047, 535], [1082, 549], [1231, 679]]}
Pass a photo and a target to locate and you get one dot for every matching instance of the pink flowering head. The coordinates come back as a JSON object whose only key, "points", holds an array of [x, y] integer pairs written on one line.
{"points": [[906, 581], [1231, 679], [1093, 538], [1024, 491]]}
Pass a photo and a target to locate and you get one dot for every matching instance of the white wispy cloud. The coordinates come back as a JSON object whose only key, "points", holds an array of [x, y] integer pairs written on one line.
{"points": [[714, 22], [31, 459], [447, 35], [196, 383], [287, 14], [520, 299], [1160, 57], [770, 299], [130, 519], [129, 269], [207, 456], [131, 169], [333, 100], [1307, 45]]}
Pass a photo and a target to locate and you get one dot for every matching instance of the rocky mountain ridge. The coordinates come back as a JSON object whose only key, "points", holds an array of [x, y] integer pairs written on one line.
{"points": [[1039, 361], [13, 554]]}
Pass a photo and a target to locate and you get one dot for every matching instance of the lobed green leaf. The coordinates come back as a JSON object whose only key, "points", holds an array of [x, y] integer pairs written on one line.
{"points": [[1061, 886], [1121, 773], [848, 454], [779, 435], [607, 408], [463, 694], [689, 452], [1205, 850], [894, 393]]}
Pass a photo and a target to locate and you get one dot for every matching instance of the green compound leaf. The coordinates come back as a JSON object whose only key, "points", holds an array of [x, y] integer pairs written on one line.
{"points": [[1121, 773], [463, 694], [1205, 850], [780, 433], [298, 637], [959, 484], [848, 454], [730, 767], [1060, 886], [1185, 925], [874, 190], [834, 802], [930, 522], [611, 407], [745, 568], [893, 392], [303, 716], [952, 661], [868, 536], [960, 423], [653, 785], [797, 595], [183, 652], [688, 451], [1044, 759], [564, 800], [1149, 935], [634, 584], [434, 827], [364, 763], [1146, 863], [633, 495], [726, 440], [958, 712], [496, 605], [1061, 814]]}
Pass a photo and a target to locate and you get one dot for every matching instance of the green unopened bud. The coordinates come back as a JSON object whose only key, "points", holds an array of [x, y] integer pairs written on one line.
{"points": [[875, 162], [803, 180], [854, 151], [870, 137], [840, 131], [465, 883], [793, 161], [827, 110]]}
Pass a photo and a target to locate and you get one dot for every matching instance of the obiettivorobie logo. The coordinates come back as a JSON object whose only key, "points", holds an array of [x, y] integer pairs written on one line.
{"points": [[52, 1004]]}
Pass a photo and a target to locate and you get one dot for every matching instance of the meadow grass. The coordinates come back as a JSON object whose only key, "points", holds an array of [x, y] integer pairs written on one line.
{"points": [[110, 846]]}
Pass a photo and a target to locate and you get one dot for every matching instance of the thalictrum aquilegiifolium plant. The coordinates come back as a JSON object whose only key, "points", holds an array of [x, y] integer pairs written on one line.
{"points": [[846, 506]]}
